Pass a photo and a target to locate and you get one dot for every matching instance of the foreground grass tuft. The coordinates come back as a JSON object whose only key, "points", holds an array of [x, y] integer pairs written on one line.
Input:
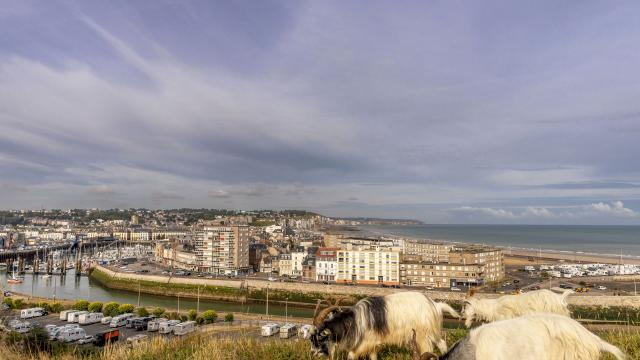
{"points": [[243, 347]]}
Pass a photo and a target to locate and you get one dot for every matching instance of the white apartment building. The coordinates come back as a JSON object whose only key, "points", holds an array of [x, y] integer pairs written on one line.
{"points": [[326, 264], [429, 252], [297, 258], [285, 265], [139, 236], [223, 249], [374, 265]]}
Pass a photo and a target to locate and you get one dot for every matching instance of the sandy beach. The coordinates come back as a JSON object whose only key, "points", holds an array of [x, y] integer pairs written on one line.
{"points": [[518, 257]]}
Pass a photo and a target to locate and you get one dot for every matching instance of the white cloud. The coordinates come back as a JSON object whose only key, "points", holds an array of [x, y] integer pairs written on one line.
{"points": [[615, 209]]}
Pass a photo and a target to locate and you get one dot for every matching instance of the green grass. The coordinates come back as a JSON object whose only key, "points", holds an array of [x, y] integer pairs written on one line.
{"points": [[202, 346]]}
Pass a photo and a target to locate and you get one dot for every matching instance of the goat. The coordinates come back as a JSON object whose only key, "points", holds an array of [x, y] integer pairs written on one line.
{"points": [[537, 336], [511, 306], [377, 321]]}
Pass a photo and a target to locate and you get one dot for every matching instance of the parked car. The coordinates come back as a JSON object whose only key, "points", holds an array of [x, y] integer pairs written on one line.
{"points": [[602, 287], [105, 320], [455, 288], [88, 339]]}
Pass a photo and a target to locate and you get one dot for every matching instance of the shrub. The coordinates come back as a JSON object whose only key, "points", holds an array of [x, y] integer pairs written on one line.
{"points": [[110, 309], [173, 316], [183, 318], [228, 317], [200, 320], [56, 307], [142, 311], [209, 316], [18, 304], [8, 301], [125, 308], [95, 306], [81, 305], [192, 314], [158, 312]]}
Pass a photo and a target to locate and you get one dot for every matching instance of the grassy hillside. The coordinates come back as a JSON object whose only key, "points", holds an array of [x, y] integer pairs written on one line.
{"points": [[205, 347]]}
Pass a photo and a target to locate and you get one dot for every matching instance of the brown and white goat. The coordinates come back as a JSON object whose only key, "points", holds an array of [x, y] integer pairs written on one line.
{"points": [[377, 321]]}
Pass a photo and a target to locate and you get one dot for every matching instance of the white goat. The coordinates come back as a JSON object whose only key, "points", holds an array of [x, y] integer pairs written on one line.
{"points": [[511, 306], [530, 337], [378, 321]]}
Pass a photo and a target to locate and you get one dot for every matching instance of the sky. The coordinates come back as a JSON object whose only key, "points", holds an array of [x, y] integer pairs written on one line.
{"points": [[442, 111]]}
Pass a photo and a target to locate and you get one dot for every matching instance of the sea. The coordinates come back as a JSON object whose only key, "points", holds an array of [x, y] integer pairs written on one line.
{"points": [[590, 239]]}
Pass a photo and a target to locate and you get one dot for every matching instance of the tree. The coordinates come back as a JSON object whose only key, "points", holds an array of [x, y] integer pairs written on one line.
{"points": [[228, 317], [209, 316], [110, 309], [125, 308], [192, 314], [81, 305], [95, 306], [142, 311], [158, 312]]}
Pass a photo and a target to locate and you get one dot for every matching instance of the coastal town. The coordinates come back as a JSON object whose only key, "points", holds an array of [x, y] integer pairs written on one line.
{"points": [[285, 245]]}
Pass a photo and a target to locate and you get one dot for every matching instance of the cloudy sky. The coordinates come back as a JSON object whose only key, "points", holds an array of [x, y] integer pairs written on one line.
{"points": [[443, 111]]}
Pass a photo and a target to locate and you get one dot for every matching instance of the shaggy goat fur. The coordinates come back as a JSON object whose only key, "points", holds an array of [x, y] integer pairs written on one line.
{"points": [[531, 337], [511, 306], [387, 320]]}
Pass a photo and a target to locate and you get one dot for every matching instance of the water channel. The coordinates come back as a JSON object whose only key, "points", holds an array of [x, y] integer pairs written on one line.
{"points": [[71, 287]]}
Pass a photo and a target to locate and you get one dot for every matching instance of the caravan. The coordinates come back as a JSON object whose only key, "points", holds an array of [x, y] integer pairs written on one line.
{"points": [[65, 313], [21, 327], [90, 318], [184, 328], [270, 329], [71, 334], [288, 330], [74, 317], [120, 320], [32, 312], [305, 331], [167, 326], [154, 325]]}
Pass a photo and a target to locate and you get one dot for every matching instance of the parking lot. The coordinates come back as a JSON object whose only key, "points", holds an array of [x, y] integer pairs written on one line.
{"points": [[91, 329]]}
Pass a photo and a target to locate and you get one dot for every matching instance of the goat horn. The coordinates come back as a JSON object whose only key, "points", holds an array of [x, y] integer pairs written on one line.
{"points": [[318, 319], [317, 308]]}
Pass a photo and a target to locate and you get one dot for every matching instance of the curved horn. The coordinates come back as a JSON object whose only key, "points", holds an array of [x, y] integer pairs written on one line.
{"points": [[318, 319]]}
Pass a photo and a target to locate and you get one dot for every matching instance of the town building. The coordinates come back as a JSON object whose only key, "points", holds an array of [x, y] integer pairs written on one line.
{"points": [[326, 264], [375, 265], [223, 249], [428, 251], [466, 266]]}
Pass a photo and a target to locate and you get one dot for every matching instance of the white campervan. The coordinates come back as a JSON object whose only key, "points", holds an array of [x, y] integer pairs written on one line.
{"points": [[270, 329], [305, 331], [167, 326], [154, 325], [31, 313], [21, 327], [90, 318], [184, 328], [74, 317], [65, 313], [120, 320], [288, 330], [71, 334]]}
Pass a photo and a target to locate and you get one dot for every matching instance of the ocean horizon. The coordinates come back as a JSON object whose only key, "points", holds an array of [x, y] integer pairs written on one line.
{"points": [[612, 240]]}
